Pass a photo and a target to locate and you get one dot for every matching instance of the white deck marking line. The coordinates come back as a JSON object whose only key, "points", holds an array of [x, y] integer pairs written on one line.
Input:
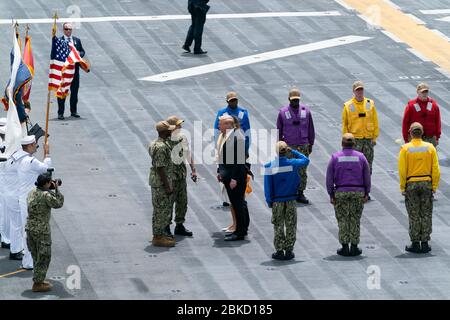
{"points": [[418, 55], [439, 11], [270, 55], [181, 17], [446, 19], [417, 20], [441, 34], [393, 5], [444, 72], [343, 4], [392, 36]]}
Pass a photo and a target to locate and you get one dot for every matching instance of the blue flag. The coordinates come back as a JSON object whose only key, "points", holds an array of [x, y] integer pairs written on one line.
{"points": [[22, 78]]}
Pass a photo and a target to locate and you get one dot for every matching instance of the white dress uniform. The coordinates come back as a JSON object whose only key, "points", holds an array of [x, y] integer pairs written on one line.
{"points": [[12, 200], [28, 171], [4, 221]]}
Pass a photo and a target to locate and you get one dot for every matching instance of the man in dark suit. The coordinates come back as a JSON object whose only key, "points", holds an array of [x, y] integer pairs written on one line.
{"points": [[198, 10], [76, 77], [232, 172]]}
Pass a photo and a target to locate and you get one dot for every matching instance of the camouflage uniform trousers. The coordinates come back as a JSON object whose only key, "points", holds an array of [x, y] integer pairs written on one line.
{"points": [[181, 200], [304, 149], [40, 246], [431, 140], [162, 210], [419, 204], [284, 214], [348, 208], [366, 147]]}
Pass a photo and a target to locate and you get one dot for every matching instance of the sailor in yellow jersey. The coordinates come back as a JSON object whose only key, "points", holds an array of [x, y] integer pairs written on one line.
{"points": [[359, 118], [419, 172]]}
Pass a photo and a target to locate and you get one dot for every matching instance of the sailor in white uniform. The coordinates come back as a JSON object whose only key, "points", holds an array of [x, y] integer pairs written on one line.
{"points": [[4, 221], [11, 188]]}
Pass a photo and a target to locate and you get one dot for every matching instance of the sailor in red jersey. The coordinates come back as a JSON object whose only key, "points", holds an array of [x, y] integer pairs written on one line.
{"points": [[424, 110]]}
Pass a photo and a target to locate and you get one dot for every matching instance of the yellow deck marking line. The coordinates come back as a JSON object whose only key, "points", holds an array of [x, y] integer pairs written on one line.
{"points": [[12, 273], [419, 37]]}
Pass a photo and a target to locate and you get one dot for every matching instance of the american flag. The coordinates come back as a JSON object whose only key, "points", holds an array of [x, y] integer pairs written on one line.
{"points": [[62, 66]]}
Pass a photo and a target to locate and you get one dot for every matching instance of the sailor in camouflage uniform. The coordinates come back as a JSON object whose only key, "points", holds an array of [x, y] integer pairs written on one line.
{"points": [[419, 172], [348, 185], [161, 181], [40, 201], [180, 154], [281, 181]]}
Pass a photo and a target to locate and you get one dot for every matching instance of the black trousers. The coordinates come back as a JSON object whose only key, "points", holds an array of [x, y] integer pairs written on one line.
{"points": [[237, 199], [74, 86], [195, 32]]}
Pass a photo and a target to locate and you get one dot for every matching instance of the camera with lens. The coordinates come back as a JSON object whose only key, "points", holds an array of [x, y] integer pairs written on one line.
{"points": [[296, 122], [54, 182]]}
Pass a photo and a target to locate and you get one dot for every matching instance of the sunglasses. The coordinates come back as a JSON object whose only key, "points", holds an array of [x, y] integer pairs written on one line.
{"points": [[67, 29]]}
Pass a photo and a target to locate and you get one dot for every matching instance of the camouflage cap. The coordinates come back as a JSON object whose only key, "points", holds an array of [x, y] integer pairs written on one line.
{"points": [[422, 87], [164, 126], [231, 95], [281, 147], [348, 137], [294, 93], [174, 120], [416, 126], [357, 85]]}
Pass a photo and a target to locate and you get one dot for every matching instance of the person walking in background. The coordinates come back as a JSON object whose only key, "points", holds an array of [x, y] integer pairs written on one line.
{"points": [[198, 10]]}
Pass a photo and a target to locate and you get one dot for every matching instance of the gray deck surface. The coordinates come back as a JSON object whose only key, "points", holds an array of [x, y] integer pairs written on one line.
{"points": [[105, 224]]}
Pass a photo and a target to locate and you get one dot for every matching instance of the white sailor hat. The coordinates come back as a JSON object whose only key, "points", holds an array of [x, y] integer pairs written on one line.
{"points": [[28, 140], [2, 122], [2, 130]]}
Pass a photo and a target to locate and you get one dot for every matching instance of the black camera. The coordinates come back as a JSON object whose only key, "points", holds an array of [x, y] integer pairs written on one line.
{"points": [[296, 122], [55, 182]]}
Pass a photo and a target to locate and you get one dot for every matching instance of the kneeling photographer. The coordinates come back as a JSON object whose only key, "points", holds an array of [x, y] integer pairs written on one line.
{"points": [[41, 200]]}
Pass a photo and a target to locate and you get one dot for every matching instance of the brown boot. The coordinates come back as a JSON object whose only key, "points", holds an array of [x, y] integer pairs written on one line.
{"points": [[41, 287], [47, 283], [163, 241]]}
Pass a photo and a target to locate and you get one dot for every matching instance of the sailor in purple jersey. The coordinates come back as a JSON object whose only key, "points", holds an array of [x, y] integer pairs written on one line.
{"points": [[348, 184], [296, 127]]}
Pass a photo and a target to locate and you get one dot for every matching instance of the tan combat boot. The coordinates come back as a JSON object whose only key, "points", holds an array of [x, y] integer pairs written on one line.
{"points": [[41, 287], [163, 241]]}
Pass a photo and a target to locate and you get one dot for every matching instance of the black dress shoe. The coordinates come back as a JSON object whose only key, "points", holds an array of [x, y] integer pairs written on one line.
{"points": [[16, 256], [289, 255], [5, 245], [234, 237], [75, 115], [225, 204], [355, 251], [200, 52], [344, 251], [279, 255], [182, 231], [186, 48], [414, 247], [60, 117], [425, 247]]}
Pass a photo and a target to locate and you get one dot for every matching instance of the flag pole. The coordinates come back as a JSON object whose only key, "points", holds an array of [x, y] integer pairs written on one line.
{"points": [[55, 17]]}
